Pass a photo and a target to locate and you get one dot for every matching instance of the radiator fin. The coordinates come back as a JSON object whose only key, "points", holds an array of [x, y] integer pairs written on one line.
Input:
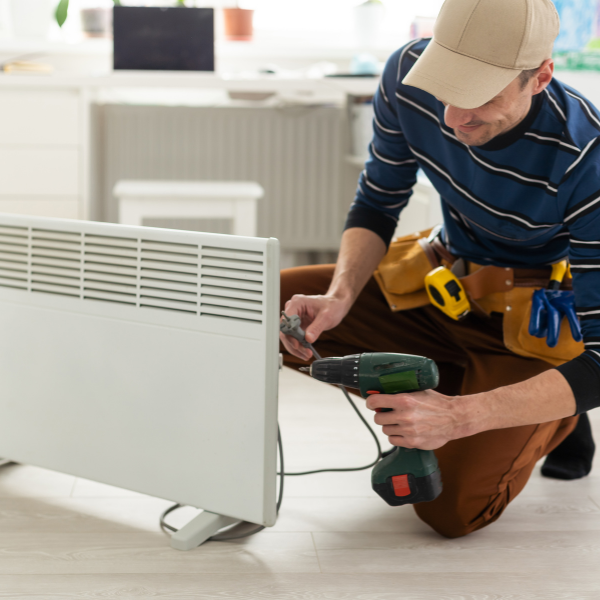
{"points": [[56, 261], [232, 284], [169, 276], [110, 269], [14, 257]]}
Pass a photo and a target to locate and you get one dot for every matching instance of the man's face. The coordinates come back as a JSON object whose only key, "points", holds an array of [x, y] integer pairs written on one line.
{"points": [[478, 126]]}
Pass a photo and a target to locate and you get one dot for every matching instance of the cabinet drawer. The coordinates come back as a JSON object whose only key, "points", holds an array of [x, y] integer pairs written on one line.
{"points": [[39, 171], [39, 117], [60, 209]]}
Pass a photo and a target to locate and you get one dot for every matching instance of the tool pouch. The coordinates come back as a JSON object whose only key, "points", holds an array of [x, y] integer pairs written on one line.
{"points": [[401, 276], [401, 273], [518, 339]]}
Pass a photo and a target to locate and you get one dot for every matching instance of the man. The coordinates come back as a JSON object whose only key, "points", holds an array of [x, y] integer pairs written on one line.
{"points": [[515, 157]]}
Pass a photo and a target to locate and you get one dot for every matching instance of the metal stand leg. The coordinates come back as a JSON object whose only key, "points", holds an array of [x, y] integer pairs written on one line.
{"points": [[199, 529]]}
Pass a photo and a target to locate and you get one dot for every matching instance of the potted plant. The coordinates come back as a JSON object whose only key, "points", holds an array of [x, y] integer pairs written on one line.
{"points": [[95, 22], [238, 23]]}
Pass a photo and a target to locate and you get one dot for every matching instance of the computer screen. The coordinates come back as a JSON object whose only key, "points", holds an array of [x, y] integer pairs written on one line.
{"points": [[164, 39]]}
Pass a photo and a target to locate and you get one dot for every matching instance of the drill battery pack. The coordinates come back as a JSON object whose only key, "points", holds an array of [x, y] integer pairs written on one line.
{"points": [[408, 489], [420, 482]]}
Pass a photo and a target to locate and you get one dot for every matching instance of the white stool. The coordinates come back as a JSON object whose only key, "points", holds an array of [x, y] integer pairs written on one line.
{"points": [[190, 199]]}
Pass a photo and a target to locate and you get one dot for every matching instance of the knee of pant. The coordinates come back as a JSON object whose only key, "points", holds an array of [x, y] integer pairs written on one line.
{"points": [[443, 521], [457, 519]]}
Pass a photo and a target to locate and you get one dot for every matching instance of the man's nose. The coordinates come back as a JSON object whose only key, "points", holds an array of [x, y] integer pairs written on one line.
{"points": [[454, 117]]}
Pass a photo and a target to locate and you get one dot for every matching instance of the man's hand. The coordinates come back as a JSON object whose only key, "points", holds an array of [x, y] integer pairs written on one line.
{"points": [[317, 314], [361, 251], [424, 420], [427, 420]]}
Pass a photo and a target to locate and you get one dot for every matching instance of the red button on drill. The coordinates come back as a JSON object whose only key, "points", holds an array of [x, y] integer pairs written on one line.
{"points": [[401, 486]]}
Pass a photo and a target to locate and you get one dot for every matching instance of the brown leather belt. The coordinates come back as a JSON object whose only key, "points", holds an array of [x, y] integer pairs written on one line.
{"points": [[482, 281]]}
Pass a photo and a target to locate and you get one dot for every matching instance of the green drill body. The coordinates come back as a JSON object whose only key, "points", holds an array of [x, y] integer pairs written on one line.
{"points": [[407, 475]]}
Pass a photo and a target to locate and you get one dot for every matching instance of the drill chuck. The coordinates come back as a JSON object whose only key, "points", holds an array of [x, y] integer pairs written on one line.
{"points": [[339, 371]]}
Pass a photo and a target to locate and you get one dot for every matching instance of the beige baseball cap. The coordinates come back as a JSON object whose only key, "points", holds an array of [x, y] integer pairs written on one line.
{"points": [[480, 46]]}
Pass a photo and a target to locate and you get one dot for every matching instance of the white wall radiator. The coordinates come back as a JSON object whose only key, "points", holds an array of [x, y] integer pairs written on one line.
{"points": [[296, 154], [142, 358]]}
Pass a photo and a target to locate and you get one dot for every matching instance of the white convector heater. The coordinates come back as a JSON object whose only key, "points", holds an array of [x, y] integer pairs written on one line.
{"points": [[143, 358]]}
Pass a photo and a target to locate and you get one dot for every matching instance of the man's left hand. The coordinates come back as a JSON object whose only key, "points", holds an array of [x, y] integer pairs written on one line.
{"points": [[424, 420]]}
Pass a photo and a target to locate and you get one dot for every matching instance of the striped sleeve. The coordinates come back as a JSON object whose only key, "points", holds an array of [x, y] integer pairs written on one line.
{"points": [[582, 219], [385, 185]]}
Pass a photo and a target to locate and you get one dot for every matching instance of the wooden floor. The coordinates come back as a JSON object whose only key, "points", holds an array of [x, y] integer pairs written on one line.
{"points": [[64, 538]]}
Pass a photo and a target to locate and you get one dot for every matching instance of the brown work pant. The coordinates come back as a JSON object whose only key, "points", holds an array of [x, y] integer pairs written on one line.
{"points": [[481, 473]]}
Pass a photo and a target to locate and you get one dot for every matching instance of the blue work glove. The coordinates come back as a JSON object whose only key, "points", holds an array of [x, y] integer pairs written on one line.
{"points": [[548, 307]]}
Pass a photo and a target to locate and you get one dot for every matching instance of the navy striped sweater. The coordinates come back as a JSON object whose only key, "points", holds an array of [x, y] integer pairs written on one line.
{"points": [[527, 198]]}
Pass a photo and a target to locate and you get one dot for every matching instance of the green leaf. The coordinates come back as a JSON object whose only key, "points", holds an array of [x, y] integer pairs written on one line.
{"points": [[117, 2], [61, 12]]}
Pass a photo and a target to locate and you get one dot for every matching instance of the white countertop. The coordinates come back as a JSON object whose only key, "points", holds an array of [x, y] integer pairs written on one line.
{"points": [[182, 80]]}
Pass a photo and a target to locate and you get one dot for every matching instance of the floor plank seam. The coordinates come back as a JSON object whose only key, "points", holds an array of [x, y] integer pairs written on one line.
{"points": [[312, 537]]}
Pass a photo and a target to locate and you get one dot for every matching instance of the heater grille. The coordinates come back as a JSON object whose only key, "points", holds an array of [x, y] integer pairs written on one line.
{"points": [[232, 283], [55, 262], [110, 269], [14, 257], [213, 281], [169, 276]]}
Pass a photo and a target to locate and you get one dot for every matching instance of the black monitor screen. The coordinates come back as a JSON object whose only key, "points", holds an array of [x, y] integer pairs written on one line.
{"points": [[164, 39]]}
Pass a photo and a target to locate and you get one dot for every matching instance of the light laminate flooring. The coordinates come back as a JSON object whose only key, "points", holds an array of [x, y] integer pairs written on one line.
{"points": [[65, 538]]}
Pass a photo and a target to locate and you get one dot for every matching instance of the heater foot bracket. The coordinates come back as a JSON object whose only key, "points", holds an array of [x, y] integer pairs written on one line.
{"points": [[199, 529]]}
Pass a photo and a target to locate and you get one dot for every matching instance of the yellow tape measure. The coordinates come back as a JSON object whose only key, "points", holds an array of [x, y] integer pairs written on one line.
{"points": [[559, 270], [447, 293]]}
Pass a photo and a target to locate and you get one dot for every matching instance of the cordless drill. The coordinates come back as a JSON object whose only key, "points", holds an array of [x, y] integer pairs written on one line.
{"points": [[406, 475]]}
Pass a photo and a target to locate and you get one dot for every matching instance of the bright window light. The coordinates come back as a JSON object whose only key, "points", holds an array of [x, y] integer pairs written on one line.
{"points": [[334, 16]]}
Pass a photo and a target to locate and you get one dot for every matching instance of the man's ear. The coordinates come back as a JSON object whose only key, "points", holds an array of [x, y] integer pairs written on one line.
{"points": [[543, 76]]}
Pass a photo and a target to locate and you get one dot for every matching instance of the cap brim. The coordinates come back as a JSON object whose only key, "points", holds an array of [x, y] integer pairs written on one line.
{"points": [[456, 79]]}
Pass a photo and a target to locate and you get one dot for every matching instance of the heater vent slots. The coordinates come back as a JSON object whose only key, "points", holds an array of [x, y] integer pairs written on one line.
{"points": [[56, 262], [110, 269], [14, 257], [169, 276], [187, 278], [232, 283]]}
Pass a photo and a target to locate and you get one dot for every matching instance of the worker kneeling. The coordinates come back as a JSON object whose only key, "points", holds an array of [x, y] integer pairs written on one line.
{"points": [[514, 156]]}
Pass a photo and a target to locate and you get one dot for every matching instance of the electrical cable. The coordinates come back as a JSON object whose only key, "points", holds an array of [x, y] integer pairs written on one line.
{"points": [[380, 453]]}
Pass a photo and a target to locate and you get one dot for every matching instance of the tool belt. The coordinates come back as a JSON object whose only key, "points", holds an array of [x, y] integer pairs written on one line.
{"points": [[401, 275]]}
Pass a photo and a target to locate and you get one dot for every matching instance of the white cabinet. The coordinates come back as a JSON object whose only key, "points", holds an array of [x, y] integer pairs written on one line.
{"points": [[51, 172], [42, 152], [39, 117], [60, 209]]}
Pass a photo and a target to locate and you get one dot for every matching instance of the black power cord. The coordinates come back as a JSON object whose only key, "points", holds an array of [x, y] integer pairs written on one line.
{"points": [[226, 534], [380, 453]]}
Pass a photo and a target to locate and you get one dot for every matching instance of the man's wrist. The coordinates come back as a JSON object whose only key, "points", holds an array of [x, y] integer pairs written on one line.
{"points": [[469, 414], [344, 297]]}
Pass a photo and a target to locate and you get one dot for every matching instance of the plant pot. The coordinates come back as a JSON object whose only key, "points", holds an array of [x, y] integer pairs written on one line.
{"points": [[97, 22], [238, 23], [31, 18]]}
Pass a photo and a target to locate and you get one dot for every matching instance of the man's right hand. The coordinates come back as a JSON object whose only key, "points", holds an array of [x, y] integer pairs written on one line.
{"points": [[361, 251], [317, 314]]}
